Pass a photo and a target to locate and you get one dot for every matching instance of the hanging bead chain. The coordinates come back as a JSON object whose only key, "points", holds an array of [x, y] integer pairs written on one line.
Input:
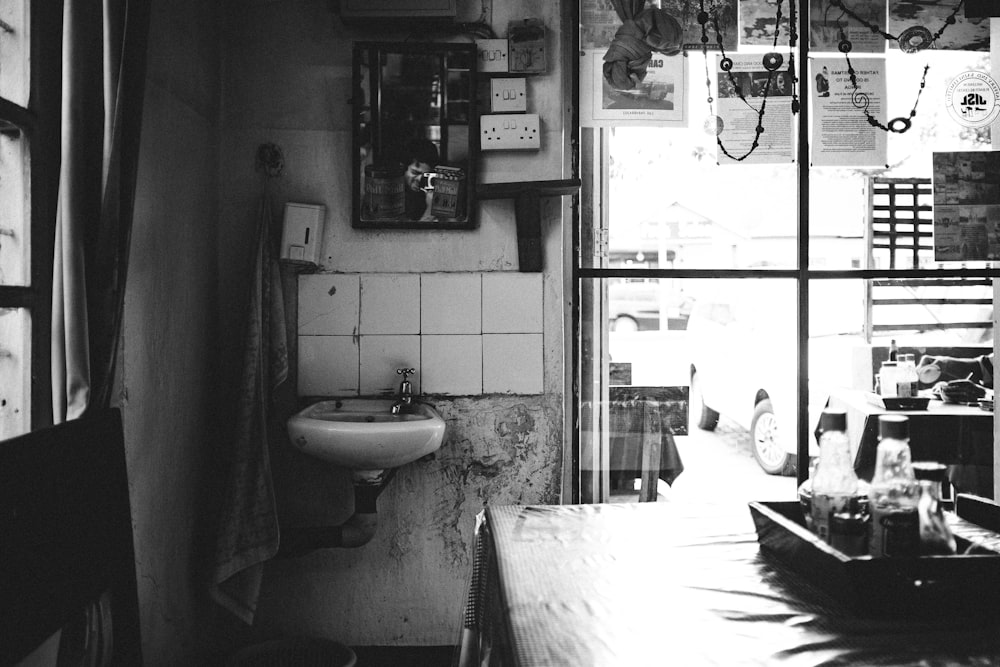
{"points": [[772, 61], [861, 100], [950, 20], [793, 38]]}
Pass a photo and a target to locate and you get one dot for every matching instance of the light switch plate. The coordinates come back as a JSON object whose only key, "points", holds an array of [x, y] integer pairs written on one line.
{"points": [[508, 94], [507, 132], [492, 54]]}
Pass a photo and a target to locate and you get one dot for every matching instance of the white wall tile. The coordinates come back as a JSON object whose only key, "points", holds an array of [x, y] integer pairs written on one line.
{"points": [[451, 303], [381, 356], [451, 364], [390, 303], [512, 363], [328, 304], [328, 366], [512, 302]]}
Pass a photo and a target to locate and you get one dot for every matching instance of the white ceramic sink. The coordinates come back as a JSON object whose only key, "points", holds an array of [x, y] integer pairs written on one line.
{"points": [[363, 434]]}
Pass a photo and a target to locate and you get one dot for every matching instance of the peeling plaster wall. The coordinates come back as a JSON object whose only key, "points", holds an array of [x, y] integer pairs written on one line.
{"points": [[408, 585], [286, 79]]}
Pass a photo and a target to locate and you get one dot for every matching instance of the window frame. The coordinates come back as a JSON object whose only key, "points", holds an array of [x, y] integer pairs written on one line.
{"points": [[39, 124], [592, 163]]}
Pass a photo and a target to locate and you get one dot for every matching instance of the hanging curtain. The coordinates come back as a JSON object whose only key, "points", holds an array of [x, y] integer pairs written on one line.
{"points": [[644, 30], [103, 69]]}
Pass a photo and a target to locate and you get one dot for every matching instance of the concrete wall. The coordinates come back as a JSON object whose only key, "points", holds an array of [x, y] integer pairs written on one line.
{"points": [[286, 79], [169, 331]]}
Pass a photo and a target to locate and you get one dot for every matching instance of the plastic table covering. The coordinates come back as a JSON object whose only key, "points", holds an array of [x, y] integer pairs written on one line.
{"points": [[679, 584]]}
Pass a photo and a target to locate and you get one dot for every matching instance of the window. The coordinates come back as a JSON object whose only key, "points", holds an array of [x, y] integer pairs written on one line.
{"points": [[772, 288], [28, 159]]}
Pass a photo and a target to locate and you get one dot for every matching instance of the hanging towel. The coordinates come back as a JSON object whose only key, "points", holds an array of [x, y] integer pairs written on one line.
{"points": [[247, 534]]}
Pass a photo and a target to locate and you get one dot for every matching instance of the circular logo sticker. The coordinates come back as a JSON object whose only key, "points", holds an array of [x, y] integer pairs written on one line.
{"points": [[973, 99]]}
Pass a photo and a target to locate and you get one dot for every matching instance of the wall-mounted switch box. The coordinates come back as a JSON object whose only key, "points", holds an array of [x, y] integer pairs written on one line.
{"points": [[509, 132], [508, 95], [302, 235], [526, 39], [492, 54]]}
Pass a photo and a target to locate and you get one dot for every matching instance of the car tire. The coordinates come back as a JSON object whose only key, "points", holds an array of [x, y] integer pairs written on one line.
{"points": [[766, 451], [624, 323], [707, 418]]}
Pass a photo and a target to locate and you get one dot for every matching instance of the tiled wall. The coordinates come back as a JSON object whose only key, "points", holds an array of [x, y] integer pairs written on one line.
{"points": [[464, 333]]}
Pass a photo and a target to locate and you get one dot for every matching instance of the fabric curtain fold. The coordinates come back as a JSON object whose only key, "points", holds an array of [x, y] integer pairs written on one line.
{"points": [[103, 68], [644, 30]]}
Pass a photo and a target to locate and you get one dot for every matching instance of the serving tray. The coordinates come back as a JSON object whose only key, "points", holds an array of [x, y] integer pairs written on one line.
{"points": [[925, 586]]}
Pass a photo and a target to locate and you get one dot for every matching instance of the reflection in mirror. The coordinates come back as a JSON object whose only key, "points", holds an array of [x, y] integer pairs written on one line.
{"points": [[413, 135]]}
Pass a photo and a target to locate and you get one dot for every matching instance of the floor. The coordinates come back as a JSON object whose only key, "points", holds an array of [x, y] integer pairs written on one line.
{"points": [[719, 464]]}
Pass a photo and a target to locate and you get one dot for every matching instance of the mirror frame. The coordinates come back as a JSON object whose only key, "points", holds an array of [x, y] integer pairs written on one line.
{"points": [[368, 139]]}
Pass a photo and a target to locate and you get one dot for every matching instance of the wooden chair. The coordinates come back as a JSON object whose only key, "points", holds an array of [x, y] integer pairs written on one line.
{"points": [[66, 536]]}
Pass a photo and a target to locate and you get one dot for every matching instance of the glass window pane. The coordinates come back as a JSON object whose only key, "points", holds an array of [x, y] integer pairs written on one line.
{"points": [[843, 365], [734, 352], [672, 203], [14, 51], [846, 204], [14, 218], [15, 371]]}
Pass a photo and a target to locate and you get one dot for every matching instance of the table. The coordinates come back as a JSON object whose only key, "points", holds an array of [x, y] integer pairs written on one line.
{"points": [[673, 583], [958, 435], [642, 424]]}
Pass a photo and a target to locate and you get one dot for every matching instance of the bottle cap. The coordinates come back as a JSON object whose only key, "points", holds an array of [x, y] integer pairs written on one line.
{"points": [[833, 420], [893, 426], [930, 470]]}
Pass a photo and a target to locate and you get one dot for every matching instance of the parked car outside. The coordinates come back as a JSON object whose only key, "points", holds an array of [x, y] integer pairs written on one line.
{"points": [[743, 366], [634, 304]]}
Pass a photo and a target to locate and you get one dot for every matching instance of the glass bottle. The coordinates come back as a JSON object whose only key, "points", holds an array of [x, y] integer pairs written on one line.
{"points": [[887, 379], [835, 484], [805, 493], [907, 380], [894, 493], [935, 535], [893, 350]]}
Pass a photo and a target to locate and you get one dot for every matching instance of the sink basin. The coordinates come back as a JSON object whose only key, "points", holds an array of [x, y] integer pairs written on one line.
{"points": [[363, 434]]}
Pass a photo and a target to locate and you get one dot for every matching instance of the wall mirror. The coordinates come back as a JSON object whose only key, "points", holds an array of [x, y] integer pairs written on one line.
{"points": [[415, 136]]}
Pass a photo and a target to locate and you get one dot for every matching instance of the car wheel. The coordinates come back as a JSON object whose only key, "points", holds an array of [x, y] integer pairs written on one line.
{"points": [[764, 442], [707, 418], [624, 323]]}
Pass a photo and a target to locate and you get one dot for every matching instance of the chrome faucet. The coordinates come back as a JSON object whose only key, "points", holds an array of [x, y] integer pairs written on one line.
{"points": [[405, 390]]}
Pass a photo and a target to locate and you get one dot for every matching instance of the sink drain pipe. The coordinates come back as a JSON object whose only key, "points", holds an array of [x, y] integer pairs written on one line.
{"points": [[357, 531]]}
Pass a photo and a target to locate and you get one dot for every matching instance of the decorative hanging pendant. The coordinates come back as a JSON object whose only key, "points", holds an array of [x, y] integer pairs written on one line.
{"points": [[915, 39], [773, 61]]}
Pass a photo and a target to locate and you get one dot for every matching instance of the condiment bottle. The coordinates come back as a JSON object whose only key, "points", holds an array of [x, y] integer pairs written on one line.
{"points": [[887, 379], [894, 494], [805, 493], [935, 535], [835, 483], [906, 380]]}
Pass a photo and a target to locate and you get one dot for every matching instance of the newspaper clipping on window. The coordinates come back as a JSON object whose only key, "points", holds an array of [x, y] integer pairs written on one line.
{"points": [[829, 23], [740, 99], [841, 132], [966, 206]]}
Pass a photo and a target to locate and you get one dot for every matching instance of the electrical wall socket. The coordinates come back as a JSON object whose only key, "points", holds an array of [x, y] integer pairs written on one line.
{"points": [[492, 54], [508, 95], [509, 132]]}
